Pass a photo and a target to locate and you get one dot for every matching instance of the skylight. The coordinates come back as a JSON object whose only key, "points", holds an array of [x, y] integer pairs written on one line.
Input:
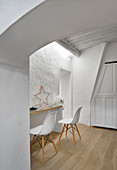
{"points": [[61, 50]]}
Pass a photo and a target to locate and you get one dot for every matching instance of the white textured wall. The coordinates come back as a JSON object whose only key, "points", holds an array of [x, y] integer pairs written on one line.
{"points": [[45, 67], [85, 70]]}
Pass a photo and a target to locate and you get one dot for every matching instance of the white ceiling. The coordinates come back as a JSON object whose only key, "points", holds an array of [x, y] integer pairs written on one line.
{"points": [[55, 20], [86, 13]]}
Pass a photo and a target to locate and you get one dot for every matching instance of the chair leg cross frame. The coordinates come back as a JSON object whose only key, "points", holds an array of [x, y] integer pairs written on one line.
{"points": [[44, 140], [39, 138], [68, 128], [70, 131]]}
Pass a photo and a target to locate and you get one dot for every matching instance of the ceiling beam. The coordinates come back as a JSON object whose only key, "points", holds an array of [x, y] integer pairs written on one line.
{"points": [[69, 47], [105, 29]]}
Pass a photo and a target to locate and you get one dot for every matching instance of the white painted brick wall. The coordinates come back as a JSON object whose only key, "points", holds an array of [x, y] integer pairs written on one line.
{"points": [[45, 67]]}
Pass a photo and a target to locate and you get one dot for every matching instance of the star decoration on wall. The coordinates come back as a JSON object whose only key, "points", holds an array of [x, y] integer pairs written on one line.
{"points": [[42, 96]]}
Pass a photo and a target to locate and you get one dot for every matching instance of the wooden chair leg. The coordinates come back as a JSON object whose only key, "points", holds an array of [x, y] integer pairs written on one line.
{"points": [[53, 143], [32, 142], [41, 141], [78, 131], [73, 135], [61, 132], [66, 129], [43, 150]]}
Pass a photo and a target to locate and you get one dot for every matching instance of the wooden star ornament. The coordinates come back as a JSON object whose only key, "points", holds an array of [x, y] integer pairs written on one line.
{"points": [[42, 96]]}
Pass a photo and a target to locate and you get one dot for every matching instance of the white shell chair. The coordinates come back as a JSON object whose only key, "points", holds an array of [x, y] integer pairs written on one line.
{"points": [[43, 132], [72, 122]]}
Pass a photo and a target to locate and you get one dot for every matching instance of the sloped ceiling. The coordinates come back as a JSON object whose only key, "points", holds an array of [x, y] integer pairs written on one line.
{"points": [[12, 10], [57, 20], [82, 40]]}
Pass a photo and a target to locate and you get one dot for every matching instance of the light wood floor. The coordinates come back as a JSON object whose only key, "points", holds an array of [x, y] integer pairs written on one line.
{"points": [[97, 150]]}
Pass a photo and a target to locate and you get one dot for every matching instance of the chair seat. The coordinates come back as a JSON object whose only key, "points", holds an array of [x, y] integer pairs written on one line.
{"points": [[65, 121], [36, 130]]}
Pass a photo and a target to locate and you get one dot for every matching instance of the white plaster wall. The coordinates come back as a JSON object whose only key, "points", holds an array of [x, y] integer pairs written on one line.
{"points": [[85, 69], [111, 52], [45, 67], [14, 118], [67, 93]]}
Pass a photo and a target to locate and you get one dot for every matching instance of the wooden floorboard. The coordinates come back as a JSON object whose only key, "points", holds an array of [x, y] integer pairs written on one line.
{"points": [[97, 150]]}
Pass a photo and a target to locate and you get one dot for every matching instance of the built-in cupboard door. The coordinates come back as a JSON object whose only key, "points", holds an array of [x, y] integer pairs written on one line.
{"points": [[104, 105]]}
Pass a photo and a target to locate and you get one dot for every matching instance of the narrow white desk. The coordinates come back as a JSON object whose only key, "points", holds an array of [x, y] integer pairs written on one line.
{"points": [[37, 116]]}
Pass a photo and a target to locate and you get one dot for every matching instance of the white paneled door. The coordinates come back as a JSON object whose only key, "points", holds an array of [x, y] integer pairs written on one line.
{"points": [[104, 103]]}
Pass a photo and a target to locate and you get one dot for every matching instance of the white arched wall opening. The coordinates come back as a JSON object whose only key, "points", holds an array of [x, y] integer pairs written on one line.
{"points": [[48, 22]]}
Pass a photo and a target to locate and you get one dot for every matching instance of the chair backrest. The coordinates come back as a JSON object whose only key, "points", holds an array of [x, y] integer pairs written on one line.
{"points": [[76, 116], [49, 124]]}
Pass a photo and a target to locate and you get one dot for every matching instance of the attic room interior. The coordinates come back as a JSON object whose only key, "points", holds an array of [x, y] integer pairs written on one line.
{"points": [[58, 71]]}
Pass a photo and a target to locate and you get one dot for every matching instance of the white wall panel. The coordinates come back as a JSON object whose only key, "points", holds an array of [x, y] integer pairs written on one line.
{"points": [[98, 110], [109, 114]]}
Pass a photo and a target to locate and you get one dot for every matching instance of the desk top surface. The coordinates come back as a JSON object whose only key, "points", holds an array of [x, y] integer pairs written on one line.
{"points": [[45, 109]]}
